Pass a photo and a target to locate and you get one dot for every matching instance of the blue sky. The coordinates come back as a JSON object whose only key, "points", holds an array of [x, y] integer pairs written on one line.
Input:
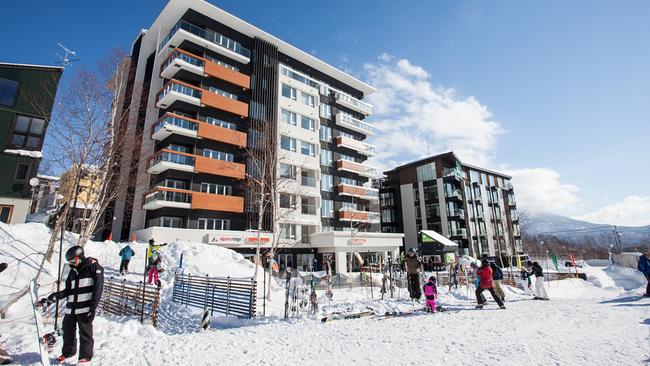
{"points": [[554, 92]]}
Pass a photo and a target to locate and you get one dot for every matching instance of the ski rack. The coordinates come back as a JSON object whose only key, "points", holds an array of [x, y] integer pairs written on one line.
{"points": [[224, 295]]}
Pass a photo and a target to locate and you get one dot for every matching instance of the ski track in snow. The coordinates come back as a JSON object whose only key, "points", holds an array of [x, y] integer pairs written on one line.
{"points": [[603, 322]]}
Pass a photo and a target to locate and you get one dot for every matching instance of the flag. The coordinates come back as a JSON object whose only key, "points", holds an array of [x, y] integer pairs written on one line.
{"points": [[554, 259]]}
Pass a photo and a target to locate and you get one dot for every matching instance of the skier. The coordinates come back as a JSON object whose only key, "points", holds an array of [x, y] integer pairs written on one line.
{"points": [[151, 249], [477, 280], [497, 277], [126, 253], [644, 267], [486, 283], [540, 291], [412, 264], [431, 293], [525, 281], [155, 268], [83, 290], [453, 275]]}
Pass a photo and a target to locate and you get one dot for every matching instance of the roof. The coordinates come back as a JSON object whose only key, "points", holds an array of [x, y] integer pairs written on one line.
{"points": [[176, 8], [451, 154], [31, 66], [440, 239]]}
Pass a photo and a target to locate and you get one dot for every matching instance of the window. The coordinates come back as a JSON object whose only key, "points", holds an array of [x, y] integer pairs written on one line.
{"points": [[287, 200], [5, 213], [307, 149], [350, 181], [327, 208], [326, 157], [348, 158], [214, 224], [386, 199], [28, 133], [167, 221], [216, 189], [325, 133], [307, 99], [178, 148], [289, 92], [426, 172], [221, 123], [307, 123], [288, 171], [342, 133], [287, 143], [484, 179], [22, 171], [222, 93], [474, 176], [308, 205], [491, 180], [308, 178], [326, 182], [388, 215], [288, 231], [326, 111], [221, 63], [173, 183], [8, 89], [288, 117], [219, 155], [348, 205]]}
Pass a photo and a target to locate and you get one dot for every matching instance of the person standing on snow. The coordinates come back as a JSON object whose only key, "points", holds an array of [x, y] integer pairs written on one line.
{"points": [[155, 268], [644, 267], [83, 290], [153, 247], [540, 291], [413, 264], [486, 283], [431, 293], [126, 253], [525, 281], [497, 277], [453, 275]]}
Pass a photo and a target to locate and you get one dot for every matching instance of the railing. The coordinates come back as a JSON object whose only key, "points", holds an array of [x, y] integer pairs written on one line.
{"points": [[168, 196], [174, 86], [183, 56], [224, 295], [174, 121], [456, 212], [367, 215], [351, 143], [308, 209], [308, 181], [511, 201], [364, 107], [208, 35], [172, 157], [454, 194], [124, 298], [346, 119], [452, 172]]}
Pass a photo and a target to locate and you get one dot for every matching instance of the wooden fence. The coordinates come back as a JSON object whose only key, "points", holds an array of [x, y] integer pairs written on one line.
{"points": [[224, 295], [124, 298]]}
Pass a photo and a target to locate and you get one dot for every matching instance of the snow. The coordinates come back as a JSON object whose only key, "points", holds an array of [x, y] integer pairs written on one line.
{"points": [[28, 153], [601, 321]]}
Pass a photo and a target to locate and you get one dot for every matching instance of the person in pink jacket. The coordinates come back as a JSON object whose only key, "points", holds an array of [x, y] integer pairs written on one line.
{"points": [[431, 293]]}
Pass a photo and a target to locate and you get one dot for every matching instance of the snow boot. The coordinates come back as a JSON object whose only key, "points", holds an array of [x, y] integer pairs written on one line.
{"points": [[83, 361], [478, 306], [502, 307], [158, 283], [60, 359]]}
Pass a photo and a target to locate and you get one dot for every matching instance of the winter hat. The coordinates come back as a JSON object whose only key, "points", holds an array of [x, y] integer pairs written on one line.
{"points": [[485, 262], [151, 241], [432, 279]]}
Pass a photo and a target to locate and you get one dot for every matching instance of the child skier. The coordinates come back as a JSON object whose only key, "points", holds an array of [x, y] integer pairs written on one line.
{"points": [[155, 268], [431, 293], [126, 254], [525, 281]]}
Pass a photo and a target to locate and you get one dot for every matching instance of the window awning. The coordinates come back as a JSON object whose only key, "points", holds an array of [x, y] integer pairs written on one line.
{"points": [[430, 236]]}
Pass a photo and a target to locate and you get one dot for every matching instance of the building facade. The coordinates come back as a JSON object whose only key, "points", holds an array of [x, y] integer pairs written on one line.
{"points": [[472, 206], [27, 95], [224, 113], [46, 196]]}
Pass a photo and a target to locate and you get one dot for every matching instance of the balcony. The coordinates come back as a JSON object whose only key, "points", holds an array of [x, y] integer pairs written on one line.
{"points": [[454, 195], [210, 39], [456, 213], [358, 168], [170, 124], [458, 233], [353, 103], [348, 214], [359, 146], [508, 186], [514, 216], [359, 192], [180, 59], [160, 197], [511, 201], [168, 159], [347, 121], [176, 90], [452, 174]]}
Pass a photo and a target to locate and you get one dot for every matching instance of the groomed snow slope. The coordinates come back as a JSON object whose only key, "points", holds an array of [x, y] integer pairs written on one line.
{"points": [[600, 322]]}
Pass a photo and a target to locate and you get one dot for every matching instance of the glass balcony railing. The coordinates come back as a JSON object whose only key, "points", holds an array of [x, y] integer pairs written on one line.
{"points": [[178, 55], [174, 121], [208, 35], [363, 107], [179, 88], [167, 196], [346, 119], [308, 181], [171, 157], [454, 194]]}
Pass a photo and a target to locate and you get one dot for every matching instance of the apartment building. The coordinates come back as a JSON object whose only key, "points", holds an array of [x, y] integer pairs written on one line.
{"points": [[217, 106], [473, 207], [27, 95]]}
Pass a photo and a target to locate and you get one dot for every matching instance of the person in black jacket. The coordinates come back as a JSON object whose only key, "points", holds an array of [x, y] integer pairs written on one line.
{"points": [[497, 277], [540, 291], [83, 290]]}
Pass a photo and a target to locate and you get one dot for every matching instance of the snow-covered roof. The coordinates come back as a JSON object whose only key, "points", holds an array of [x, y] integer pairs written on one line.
{"points": [[440, 239], [47, 177], [28, 153]]}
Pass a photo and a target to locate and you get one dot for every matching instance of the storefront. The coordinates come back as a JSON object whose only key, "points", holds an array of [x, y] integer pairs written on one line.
{"points": [[437, 252]]}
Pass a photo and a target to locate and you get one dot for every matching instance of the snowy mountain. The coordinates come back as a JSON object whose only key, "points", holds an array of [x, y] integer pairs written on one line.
{"points": [[545, 223]]}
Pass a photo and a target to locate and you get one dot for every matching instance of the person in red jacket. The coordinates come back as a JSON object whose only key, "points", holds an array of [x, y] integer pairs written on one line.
{"points": [[485, 275]]}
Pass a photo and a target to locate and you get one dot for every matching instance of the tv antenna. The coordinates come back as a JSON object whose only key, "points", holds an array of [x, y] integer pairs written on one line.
{"points": [[66, 60]]}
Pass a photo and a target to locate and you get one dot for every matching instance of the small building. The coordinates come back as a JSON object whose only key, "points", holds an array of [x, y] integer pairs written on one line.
{"points": [[45, 195], [27, 95]]}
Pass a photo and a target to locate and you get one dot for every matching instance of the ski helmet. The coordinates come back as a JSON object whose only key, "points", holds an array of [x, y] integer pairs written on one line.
{"points": [[75, 251], [432, 279], [485, 262], [151, 241]]}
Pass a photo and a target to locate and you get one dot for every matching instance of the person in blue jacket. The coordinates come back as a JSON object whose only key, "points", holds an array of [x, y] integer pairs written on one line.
{"points": [[644, 267], [126, 253]]}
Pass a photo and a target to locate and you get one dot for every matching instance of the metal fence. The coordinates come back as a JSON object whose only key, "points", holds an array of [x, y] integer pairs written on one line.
{"points": [[123, 298], [224, 295]]}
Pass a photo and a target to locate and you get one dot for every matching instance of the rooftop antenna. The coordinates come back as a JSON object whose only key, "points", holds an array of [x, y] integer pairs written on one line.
{"points": [[66, 60]]}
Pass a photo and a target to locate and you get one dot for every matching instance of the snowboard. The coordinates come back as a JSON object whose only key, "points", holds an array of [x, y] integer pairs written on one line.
{"points": [[342, 316], [38, 320]]}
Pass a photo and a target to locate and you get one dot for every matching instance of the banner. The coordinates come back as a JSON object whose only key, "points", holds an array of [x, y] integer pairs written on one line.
{"points": [[554, 259]]}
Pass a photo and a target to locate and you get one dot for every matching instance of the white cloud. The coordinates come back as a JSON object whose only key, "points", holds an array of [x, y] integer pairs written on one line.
{"points": [[632, 211], [540, 189], [411, 114]]}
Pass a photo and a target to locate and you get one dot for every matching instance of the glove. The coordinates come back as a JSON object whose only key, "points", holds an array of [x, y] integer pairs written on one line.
{"points": [[90, 316]]}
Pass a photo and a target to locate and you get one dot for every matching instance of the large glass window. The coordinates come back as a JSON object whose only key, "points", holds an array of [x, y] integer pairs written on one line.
{"points": [[288, 117], [308, 177], [474, 176], [8, 89], [289, 92], [167, 221], [307, 99], [386, 199], [288, 231], [325, 133], [327, 208], [307, 149], [22, 171], [308, 205], [28, 133], [214, 224], [173, 183], [426, 172], [216, 189], [388, 215], [307, 123], [326, 182], [287, 200], [287, 143], [326, 157], [350, 181], [219, 155], [288, 171], [326, 111], [348, 158]]}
